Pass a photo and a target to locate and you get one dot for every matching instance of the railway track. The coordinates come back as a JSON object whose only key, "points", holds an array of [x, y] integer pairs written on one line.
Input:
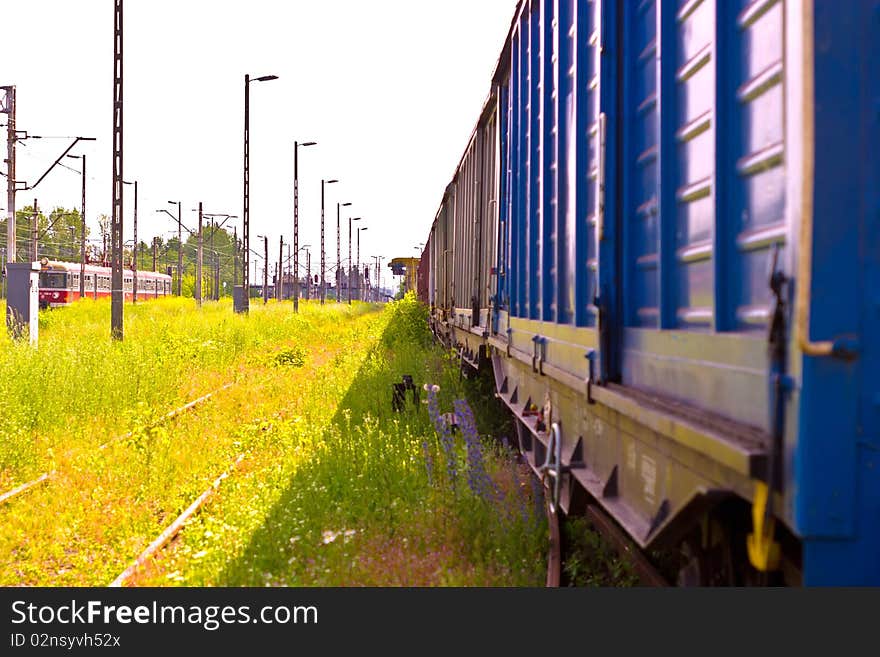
{"points": [[173, 529], [47, 476], [647, 573]]}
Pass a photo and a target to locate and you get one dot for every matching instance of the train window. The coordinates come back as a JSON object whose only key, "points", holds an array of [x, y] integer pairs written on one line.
{"points": [[53, 280], [126, 284]]}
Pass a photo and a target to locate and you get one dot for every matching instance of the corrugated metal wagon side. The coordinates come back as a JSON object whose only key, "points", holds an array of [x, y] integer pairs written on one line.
{"points": [[666, 227]]}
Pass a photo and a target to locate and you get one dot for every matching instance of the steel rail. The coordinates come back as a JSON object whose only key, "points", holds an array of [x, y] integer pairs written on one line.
{"points": [[23, 488], [173, 529]]}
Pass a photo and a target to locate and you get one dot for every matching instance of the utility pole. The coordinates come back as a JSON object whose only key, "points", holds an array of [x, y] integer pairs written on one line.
{"points": [[134, 274], [179, 251], [348, 269], [199, 253], [339, 250], [134, 287], [288, 262], [308, 275], [155, 252], [266, 270], [215, 269], [378, 269], [235, 260], [82, 235], [116, 221], [8, 108], [323, 268], [280, 267], [35, 234]]}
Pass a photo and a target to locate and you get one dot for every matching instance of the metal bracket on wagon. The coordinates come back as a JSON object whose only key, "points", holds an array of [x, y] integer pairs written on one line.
{"points": [[539, 354], [552, 468], [591, 359]]}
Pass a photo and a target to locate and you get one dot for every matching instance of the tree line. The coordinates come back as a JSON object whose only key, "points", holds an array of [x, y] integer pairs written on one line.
{"points": [[58, 237]]}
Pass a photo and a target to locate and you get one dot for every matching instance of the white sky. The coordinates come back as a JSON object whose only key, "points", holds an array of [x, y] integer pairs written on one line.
{"points": [[390, 89]]}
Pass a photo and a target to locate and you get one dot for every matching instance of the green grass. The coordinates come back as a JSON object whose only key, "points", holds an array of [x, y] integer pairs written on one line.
{"points": [[333, 488], [80, 387], [354, 504]]}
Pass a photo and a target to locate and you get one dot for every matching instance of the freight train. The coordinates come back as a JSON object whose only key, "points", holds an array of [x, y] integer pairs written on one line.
{"points": [[59, 283], [663, 239]]}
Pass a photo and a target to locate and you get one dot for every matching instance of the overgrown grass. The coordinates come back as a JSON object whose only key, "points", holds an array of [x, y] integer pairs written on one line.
{"points": [[80, 387], [334, 487], [591, 561], [353, 500]]}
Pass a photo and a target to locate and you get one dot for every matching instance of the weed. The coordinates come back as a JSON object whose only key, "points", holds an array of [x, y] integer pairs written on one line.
{"points": [[590, 561]]}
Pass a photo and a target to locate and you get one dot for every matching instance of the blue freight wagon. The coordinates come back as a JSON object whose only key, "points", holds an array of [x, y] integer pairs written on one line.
{"points": [[664, 238]]}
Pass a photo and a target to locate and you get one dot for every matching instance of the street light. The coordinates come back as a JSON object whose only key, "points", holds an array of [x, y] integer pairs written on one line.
{"points": [[265, 239], [82, 244], [360, 228], [296, 248], [179, 245], [328, 182], [308, 270], [216, 257], [134, 275], [338, 251], [350, 219], [246, 227]]}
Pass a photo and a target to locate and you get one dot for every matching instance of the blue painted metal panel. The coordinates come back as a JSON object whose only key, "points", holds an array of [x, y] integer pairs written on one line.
{"points": [[550, 155], [587, 103], [641, 168], [757, 149], [688, 178], [502, 254], [838, 495], [516, 127], [565, 163], [704, 197], [534, 172]]}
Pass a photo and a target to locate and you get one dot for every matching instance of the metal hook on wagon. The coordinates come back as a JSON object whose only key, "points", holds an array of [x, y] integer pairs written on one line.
{"points": [[552, 466]]}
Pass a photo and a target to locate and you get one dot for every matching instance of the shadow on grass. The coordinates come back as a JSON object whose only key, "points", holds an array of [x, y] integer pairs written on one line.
{"points": [[356, 477]]}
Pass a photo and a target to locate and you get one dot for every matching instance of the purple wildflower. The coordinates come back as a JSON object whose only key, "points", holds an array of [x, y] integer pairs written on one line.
{"points": [[478, 479], [441, 426]]}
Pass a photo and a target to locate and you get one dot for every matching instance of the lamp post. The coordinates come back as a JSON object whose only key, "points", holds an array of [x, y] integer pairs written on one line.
{"points": [[338, 251], [323, 182], [308, 274], [278, 285], [216, 257], [350, 219], [82, 235], [179, 248], [265, 239], [246, 227], [360, 228], [134, 275], [296, 248], [296, 273]]}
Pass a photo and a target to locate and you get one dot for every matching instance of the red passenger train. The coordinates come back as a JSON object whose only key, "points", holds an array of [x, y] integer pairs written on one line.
{"points": [[60, 283]]}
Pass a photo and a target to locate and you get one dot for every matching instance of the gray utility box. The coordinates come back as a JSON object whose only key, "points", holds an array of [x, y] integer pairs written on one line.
{"points": [[23, 299], [239, 301]]}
